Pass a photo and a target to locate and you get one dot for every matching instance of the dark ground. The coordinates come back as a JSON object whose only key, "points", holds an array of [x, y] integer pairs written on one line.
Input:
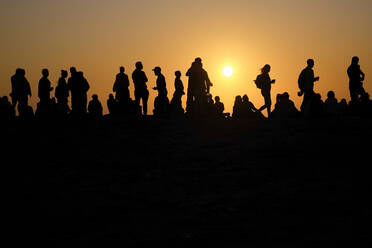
{"points": [[183, 183]]}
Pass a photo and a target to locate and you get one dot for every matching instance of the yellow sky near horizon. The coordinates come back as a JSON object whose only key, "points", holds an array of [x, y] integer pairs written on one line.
{"points": [[99, 36]]}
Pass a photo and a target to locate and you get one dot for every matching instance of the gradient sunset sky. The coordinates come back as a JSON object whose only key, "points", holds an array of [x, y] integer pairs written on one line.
{"points": [[99, 36]]}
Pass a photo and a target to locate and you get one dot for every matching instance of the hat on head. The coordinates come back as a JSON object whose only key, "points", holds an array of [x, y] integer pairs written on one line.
{"points": [[156, 68], [198, 59]]}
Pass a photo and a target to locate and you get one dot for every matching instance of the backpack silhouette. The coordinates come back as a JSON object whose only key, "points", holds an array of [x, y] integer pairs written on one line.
{"points": [[259, 81]]}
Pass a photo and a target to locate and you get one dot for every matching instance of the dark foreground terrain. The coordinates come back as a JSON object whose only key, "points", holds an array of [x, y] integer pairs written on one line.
{"points": [[184, 183]]}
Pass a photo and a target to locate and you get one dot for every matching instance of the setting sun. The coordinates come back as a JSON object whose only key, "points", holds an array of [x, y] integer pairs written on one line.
{"points": [[227, 71]]}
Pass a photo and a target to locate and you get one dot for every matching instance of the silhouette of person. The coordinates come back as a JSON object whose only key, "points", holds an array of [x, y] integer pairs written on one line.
{"points": [[61, 92], [284, 107], [198, 87], [21, 89], [248, 110], [6, 110], [343, 107], [121, 87], [331, 105], [356, 78], [161, 101], [265, 84], [306, 84], [95, 107], [112, 105], [316, 106], [220, 107], [44, 87], [237, 109], [176, 102], [79, 86], [140, 88]]}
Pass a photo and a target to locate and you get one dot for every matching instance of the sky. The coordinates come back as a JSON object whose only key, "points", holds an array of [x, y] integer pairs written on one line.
{"points": [[99, 36]]}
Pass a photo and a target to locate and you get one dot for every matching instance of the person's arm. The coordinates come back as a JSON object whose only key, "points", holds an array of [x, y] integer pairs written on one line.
{"points": [[314, 78], [250, 104], [144, 77], [363, 75], [126, 81]]}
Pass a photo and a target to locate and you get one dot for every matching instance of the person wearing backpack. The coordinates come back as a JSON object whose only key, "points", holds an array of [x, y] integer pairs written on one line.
{"points": [[306, 84], [263, 82]]}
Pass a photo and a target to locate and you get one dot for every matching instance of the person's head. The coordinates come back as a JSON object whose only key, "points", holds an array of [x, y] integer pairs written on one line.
{"points": [[122, 69], [95, 97], [285, 95], [331, 94], [266, 69], [139, 65], [318, 96], [72, 70], [238, 99], [355, 60], [18, 71], [310, 63], [45, 72], [245, 98], [278, 97], [63, 74], [111, 96], [157, 70], [177, 73], [217, 98], [343, 101], [198, 60], [5, 99]]}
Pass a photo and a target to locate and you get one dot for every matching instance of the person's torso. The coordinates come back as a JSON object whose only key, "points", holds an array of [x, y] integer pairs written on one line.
{"points": [[139, 79]]}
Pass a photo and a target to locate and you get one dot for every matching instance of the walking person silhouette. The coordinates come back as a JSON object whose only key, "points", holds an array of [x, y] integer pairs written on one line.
{"points": [[306, 84], [140, 87], [263, 82]]}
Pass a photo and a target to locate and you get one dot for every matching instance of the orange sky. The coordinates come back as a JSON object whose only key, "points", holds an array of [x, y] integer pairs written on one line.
{"points": [[99, 36]]}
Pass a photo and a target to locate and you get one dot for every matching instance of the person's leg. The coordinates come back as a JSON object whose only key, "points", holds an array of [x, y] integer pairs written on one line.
{"points": [[145, 98], [353, 94]]}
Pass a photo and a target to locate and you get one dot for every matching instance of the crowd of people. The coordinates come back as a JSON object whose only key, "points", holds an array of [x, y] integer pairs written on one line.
{"points": [[199, 100]]}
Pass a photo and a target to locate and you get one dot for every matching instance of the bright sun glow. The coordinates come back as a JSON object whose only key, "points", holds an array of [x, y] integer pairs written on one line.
{"points": [[227, 71]]}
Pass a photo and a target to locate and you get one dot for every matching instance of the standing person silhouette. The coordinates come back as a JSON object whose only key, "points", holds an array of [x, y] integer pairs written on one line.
{"points": [[265, 82], [198, 87], [61, 92], [161, 101], [176, 101], [44, 87], [356, 78], [79, 87], [20, 89], [306, 84], [121, 86], [140, 87]]}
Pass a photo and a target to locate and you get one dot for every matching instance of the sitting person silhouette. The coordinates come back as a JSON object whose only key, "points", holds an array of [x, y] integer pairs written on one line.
{"points": [[95, 108], [284, 107], [112, 105], [237, 109], [331, 106], [248, 109]]}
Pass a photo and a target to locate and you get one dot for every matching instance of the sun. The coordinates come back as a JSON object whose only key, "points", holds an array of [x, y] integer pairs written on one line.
{"points": [[227, 71]]}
